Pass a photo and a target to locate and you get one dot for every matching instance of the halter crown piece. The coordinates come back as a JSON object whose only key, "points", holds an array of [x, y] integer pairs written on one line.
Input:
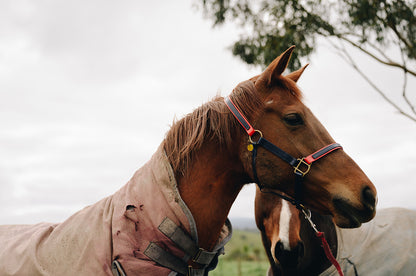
{"points": [[301, 167]]}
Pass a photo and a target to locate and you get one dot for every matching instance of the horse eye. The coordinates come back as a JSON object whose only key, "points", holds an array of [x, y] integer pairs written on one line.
{"points": [[293, 119]]}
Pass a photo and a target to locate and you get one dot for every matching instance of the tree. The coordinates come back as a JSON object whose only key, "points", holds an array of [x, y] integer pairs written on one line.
{"points": [[371, 26]]}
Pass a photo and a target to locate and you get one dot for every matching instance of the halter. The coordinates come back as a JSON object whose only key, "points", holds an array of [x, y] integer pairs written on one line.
{"points": [[301, 166]]}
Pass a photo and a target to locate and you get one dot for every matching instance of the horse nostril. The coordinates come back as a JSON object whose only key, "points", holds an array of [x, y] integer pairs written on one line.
{"points": [[289, 258], [279, 248], [369, 198], [301, 249]]}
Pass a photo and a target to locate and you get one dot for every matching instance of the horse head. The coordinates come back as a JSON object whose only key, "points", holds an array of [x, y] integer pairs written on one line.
{"points": [[279, 223], [213, 158], [335, 184], [289, 240]]}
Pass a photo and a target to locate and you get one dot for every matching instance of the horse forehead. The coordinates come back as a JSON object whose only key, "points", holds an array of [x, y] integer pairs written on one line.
{"points": [[281, 99]]}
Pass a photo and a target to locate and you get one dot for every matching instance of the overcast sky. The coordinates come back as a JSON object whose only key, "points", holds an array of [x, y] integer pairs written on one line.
{"points": [[88, 90]]}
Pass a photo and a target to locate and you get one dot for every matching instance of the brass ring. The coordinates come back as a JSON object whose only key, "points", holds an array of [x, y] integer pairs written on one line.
{"points": [[251, 140]]}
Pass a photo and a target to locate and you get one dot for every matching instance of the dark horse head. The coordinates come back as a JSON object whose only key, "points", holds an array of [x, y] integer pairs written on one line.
{"points": [[289, 240]]}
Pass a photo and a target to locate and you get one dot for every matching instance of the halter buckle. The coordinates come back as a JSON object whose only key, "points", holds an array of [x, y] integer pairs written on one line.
{"points": [[302, 167]]}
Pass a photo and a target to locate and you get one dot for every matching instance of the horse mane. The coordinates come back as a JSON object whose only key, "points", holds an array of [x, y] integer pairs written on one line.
{"points": [[211, 121]]}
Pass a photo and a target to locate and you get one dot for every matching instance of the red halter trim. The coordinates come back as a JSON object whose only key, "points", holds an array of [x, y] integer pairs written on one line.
{"points": [[239, 116], [322, 152]]}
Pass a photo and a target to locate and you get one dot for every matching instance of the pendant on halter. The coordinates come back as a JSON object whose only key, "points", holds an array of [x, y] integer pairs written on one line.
{"points": [[250, 147]]}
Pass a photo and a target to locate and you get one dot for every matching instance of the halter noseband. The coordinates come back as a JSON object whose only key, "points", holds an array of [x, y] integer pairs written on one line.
{"points": [[301, 165]]}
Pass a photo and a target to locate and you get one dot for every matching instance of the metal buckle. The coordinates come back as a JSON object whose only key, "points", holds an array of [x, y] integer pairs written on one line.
{"points": [[298, 168]]}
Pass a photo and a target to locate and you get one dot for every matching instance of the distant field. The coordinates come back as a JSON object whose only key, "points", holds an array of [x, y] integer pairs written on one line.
{"points": [[235, 268], [244, 255]]}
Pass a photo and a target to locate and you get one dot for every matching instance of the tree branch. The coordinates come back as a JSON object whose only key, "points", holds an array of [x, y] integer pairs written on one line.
{"points": [[380, 51], [399, 35], [392, 26], [412, 107], [389, 63], [345, 55]]}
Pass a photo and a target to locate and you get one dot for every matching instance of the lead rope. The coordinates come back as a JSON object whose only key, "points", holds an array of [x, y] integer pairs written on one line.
{"points": [[325, 245]]}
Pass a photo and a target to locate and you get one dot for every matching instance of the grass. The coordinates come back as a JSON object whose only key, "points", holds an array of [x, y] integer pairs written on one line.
{"points": [[236, 268], [244, 255]]}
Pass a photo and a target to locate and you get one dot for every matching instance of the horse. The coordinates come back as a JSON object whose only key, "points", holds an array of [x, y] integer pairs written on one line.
{"points": [[171, 216], [383, 246]]}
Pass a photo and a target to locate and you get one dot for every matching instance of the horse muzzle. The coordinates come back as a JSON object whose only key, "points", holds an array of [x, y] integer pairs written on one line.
{"points": [[349, 216], [289, 258]]}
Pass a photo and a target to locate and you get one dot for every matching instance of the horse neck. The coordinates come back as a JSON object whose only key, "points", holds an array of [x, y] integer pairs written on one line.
{"points": [[209, 188], [315, 261]]}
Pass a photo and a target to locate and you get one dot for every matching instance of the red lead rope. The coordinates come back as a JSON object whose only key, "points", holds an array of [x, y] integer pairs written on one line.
{"points": [[325, 245], [328, 252]]}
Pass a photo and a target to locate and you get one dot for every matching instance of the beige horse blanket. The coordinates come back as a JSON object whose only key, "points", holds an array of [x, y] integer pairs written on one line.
{"points": [[119, 227], [384, 246]]}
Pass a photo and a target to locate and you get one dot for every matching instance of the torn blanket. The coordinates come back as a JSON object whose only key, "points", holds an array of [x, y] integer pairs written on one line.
{"points": [[111, 236]]}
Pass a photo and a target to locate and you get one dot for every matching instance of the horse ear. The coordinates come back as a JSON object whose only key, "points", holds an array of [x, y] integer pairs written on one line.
{"points": [[295, 75], [276, 68]]}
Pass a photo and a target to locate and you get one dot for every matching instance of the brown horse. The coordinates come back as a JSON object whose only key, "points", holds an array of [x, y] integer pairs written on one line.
{"points": [[383, 246], [189, 185], [208, 152]]}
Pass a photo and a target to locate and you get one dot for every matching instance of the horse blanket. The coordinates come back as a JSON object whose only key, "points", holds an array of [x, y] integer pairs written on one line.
{"points": [[384, 246], [120, 227]]}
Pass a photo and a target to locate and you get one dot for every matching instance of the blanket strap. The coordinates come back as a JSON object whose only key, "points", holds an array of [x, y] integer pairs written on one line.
{"points": [[182, 240], [166, 259], [117, 269], [178, 236]]}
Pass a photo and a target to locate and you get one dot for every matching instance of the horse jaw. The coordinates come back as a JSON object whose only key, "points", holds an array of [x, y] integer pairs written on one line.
{"points": [[348, 216]]}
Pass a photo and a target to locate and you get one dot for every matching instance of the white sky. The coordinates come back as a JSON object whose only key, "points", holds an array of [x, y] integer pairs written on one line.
{"points": [[88, 90]]}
